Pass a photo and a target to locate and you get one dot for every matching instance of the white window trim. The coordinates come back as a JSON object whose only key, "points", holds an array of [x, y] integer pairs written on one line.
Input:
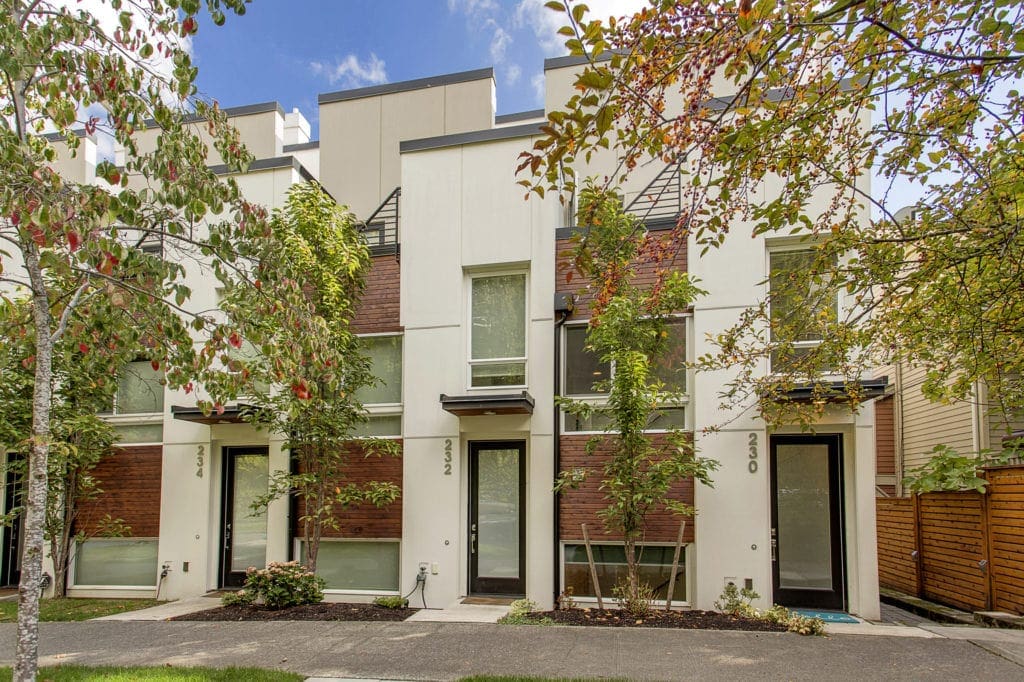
{"points": [[601, 398], [73, 565], [684, 552], [297, 552], [470, 362], [788, 245]]}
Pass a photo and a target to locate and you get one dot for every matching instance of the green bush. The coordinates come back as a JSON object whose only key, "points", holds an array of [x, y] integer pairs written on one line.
{"points": [[638, 606], [519, 614], [278, 586], [394, 602], [736, 602]]}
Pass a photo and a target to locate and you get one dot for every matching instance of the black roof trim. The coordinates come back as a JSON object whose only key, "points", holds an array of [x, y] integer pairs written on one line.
{"points": [[519, 116], [404, 86], [232, 112], [60, 137], [302, 146], [502, 403], [268, 164], [488, 135], [871, 388], [232, 414], [562, 62]]}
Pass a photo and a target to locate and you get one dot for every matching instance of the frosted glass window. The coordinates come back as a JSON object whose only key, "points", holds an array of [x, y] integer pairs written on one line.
{"points": [[379, 426], [386, 364], [805, 534], [122, 562], [358, 565], [583, 368], [139, 389], [498, 514], [610, 562], [498, 336], [140, 433]]}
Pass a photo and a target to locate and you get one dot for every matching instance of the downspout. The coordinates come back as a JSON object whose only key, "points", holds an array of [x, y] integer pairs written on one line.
{"points": [[557, 454]]}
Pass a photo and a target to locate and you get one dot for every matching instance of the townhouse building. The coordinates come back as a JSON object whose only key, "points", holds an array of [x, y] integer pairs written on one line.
{"points": [[467, 316]]}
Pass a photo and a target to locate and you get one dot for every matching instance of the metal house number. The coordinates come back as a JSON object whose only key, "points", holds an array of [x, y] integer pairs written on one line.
{"points": [[447, 456], [752, 447]]}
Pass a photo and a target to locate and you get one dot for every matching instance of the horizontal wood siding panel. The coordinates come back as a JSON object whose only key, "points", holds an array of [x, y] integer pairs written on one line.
{"points": [[1006, 530], [926, 424], [583, 504], [897, 568], [130, 481], [365, 520], [378, 311]]}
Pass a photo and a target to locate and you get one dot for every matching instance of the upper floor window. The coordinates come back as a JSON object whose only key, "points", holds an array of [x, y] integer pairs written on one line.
{"points": [[586, 376], [498, 330], [139, 389], [383, 401], [801, 305]]}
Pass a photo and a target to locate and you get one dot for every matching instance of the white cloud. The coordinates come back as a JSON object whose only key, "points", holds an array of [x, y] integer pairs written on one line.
{"points": [[512, 74], [537, 81], [472, 6], [545, 22], [350, 72], [499, 43]]}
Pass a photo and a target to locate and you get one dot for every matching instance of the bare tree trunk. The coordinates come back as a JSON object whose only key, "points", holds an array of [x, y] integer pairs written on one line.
{"points": [[27, 649]]}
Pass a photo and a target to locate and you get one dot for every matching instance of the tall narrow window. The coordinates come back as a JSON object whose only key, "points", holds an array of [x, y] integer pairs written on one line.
{"points": [[801, 305], [139, 390], [383, 400], [498, 335]]}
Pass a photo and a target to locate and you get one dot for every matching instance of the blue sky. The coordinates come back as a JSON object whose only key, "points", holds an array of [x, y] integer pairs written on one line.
{"points": [[291, 51]]}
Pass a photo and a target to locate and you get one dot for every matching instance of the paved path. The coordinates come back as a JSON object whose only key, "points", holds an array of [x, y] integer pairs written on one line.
{"points": [[443, 651]]}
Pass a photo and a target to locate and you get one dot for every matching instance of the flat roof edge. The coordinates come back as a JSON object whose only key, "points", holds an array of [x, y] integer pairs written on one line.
{"points": [[456, 139], [405, 86], [519, 116], [268, 164]]}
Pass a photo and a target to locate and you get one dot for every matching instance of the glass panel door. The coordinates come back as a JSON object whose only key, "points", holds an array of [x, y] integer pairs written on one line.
{"points": [[497, 531], [807, 550], [244, 532]]}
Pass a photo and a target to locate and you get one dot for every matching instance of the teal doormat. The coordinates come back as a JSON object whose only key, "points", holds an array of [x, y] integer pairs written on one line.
{"points": [[827, 616]]}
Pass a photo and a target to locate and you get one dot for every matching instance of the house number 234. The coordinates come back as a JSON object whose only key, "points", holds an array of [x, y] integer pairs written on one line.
{"points": [[447, 456], [752, 453]]}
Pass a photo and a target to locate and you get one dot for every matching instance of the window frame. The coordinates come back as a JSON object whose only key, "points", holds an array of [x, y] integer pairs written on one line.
{"points": [[601, 398], [470, 362], [788, 246], [388, 409], [73, 583], [685, 557], [297, 551], [115, 418]]}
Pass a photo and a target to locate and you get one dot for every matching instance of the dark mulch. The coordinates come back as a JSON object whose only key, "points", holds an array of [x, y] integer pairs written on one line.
{"points": [[321, 611], [688, 620]]}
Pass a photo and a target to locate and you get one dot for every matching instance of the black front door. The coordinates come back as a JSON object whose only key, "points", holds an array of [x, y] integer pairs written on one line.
{"points": [[807, 521], [243, 531], [497, 515], [10, 562]]}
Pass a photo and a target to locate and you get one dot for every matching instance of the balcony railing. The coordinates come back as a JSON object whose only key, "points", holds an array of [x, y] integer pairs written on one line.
{"points": [[380, 230], [659, 204]]}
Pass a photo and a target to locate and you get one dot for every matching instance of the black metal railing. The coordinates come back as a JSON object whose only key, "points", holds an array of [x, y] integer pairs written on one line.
{"points": [[380, 230], [660, 203]]}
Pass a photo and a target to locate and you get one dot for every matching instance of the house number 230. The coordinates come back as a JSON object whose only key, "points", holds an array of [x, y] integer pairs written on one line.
{"points": [[447, 456], [752, 453]]}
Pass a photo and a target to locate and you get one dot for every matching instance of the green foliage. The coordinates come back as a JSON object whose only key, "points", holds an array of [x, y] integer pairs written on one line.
{"points": [[776, 115], [391, 602], [278, 586], [64, 609], [737, 601], [946, 469], [520, 613], [305, 365], [636, 603], [628, 329]]}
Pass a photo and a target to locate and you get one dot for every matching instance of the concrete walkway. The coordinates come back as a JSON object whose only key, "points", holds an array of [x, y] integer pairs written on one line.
{"points": [[445, 651], [167, 611]]}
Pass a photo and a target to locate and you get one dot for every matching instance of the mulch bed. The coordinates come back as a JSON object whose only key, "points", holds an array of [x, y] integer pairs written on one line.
{"points": [[687, 620], [321, 611]]}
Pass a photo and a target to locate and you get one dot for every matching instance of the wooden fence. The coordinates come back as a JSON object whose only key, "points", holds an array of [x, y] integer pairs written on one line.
{"points": [[962, 549]]}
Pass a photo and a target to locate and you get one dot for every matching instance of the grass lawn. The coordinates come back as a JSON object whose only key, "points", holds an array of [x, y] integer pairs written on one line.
{"points": [[75, 609], [78, 673]]}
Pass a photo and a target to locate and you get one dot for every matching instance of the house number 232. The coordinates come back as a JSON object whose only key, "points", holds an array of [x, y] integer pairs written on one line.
{"points": [[447, 456], [752, 453]]}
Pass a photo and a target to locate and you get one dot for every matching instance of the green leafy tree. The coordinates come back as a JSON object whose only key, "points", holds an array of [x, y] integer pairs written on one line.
{"points": [[628, 329], [776, 115], [305, 366], [65, 247]]}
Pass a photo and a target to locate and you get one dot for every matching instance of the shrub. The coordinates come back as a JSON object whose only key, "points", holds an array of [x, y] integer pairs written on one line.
{"points": [[737, 602], [278, 586], [566, 601], [638, 605], [394, 602], [519, 613]]}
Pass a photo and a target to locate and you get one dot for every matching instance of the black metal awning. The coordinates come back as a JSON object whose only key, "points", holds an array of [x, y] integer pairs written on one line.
{"points": [[475, 405], [232, 414], [836, 391]]}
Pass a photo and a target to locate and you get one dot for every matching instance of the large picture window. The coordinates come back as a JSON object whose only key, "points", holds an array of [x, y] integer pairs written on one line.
{"points": [[498, 330], [358, 564], [800, 305], [610, 563], [116, 562], [585, 377]]}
